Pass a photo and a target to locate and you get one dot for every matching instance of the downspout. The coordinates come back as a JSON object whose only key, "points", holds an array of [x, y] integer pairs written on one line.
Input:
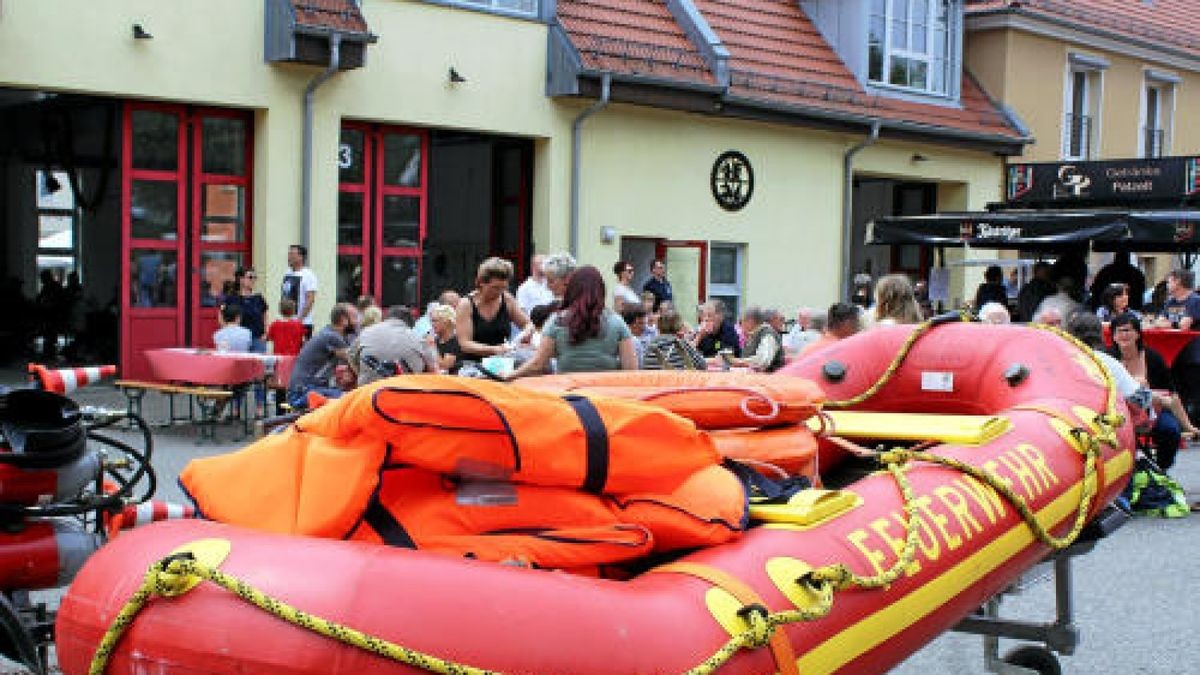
{"points": [[310, 94], [576, 152], [848, 201]]}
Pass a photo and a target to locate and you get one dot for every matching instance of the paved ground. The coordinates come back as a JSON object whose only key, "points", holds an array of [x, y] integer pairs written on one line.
{"points": [[1134, 594]]}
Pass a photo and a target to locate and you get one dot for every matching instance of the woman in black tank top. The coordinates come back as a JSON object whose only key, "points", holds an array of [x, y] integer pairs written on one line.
{"points": [[486, 316]]}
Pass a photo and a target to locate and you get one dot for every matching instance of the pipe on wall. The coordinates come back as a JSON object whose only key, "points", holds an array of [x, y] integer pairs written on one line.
{"points": [[306, 191], [848, 203], [576, 153]]}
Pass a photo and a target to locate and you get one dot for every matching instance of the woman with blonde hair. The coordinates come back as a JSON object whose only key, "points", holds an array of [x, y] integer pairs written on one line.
{"points": [[896, 301], [484, 319]]}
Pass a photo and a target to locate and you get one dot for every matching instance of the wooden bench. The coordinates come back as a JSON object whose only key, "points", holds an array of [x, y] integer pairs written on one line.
{"points": [[209, 400]]}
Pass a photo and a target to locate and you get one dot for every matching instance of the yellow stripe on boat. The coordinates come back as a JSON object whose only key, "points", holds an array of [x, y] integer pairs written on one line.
{"points": [[955, 429], [875, 629]]}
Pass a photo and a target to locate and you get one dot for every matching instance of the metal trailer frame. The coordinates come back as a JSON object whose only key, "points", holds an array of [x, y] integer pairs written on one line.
{"points": [[1060, 636]]}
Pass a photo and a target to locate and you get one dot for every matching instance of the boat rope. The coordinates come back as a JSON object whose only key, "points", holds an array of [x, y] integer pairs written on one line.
{"points": [[175, 574]]}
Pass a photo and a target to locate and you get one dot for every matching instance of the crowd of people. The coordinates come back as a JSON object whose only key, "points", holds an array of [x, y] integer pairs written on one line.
{"points": [[564, 318]]}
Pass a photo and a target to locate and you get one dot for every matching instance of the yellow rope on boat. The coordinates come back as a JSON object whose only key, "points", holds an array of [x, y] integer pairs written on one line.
{"points": [[170, 576]]}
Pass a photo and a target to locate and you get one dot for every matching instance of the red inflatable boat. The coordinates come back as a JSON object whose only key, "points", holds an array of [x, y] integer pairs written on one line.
{"points": [[849, 581]]}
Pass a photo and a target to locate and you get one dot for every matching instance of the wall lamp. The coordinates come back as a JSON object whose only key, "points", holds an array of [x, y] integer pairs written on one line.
{"points": [[140, 33], [455, 77]]}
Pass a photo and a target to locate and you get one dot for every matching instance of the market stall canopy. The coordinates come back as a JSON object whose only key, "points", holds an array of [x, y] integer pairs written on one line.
{"points": [[1040, 230], [1046, 230]]}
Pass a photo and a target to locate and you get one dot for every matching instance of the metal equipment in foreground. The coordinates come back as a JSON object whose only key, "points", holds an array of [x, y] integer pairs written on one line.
{"points": [[1047, 640]]}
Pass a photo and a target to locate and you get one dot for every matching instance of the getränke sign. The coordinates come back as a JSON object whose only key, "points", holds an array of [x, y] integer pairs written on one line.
{"points": [[1124, 182]]}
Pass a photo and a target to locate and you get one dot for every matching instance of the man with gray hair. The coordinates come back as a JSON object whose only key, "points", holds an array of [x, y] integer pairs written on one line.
{"points": [[803, 332], [558, 268], [764, 347], [390, 347], [534, 291]]}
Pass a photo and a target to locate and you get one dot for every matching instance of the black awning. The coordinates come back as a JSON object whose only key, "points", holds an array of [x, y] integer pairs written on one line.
{"points": [[1165, 230], [1036, 230]]}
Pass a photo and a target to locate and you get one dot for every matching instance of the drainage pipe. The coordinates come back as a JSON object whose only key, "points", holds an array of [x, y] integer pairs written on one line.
{"points": [[848, 202], [576, 153], [335, 62]]}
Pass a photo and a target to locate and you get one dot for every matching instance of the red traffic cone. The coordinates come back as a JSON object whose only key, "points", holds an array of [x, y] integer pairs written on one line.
{"points": [[67, 380]]}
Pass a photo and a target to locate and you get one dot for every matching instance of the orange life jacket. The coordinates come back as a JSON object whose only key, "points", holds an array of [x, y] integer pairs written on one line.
{"points": [[457, 425], [547, 526], [713, 400], [323, 476], [792, 448]]}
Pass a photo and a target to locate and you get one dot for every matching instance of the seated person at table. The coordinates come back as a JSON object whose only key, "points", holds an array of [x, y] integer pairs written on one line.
{"points": [[1150, 370], [1182, 308], [287, 333], [389, 348], [841, 321], [584, 335], [314, 365], [763, 350], [668, 350], [715, 333], [232, 336]]}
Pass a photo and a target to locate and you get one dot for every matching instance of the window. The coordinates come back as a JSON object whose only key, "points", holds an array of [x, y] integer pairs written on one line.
{"points": [[1082, 106], [725, 275], [57, 219], [1157, 106], [911, 44], [518, 7]]}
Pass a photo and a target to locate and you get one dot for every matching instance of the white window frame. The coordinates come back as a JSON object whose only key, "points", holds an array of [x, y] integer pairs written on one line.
{"points": [[499, 7], [1092, 69], [1163, 84], [726, 290], [951, 60], [69, 209]]}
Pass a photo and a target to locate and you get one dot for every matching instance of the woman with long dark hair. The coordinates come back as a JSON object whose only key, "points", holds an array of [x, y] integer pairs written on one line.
{"points": [[1114, 301], [1150, 370], [253, 306], [583, 335]]}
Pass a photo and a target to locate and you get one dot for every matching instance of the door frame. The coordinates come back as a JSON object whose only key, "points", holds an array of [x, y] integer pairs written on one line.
{"points": [[660, 252], [190, 318]]}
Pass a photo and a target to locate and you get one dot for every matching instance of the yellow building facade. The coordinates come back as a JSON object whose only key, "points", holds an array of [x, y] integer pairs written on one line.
{"points": [[456, 78]]}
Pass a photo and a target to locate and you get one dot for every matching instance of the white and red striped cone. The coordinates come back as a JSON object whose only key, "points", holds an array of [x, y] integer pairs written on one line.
{"points": [[67, 380], [147, 512]]}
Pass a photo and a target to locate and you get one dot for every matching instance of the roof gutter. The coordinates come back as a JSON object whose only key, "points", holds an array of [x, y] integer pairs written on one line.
{"points": [[335, 61], [576, 152], [848, 202]]}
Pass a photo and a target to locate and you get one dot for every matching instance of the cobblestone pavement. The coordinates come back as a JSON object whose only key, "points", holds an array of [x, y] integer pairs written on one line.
{"points": [[1133, 594]]}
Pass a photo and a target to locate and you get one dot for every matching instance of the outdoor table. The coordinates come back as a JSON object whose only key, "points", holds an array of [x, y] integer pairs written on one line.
{"points": [[218, 369]]}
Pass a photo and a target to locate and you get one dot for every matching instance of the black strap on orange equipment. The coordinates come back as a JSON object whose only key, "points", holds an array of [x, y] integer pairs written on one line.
{"points": [[597, 443], [386, 526]]}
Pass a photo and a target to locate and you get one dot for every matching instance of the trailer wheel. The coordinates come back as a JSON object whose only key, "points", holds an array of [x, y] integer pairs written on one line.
{"points": [[1035, 658]]}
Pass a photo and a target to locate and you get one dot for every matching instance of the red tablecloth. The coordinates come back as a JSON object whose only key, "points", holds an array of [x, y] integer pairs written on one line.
{"points": [[1166, 341], [207, 367]]}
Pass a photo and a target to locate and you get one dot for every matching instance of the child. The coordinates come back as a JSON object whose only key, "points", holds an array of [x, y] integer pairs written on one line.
{"points": [[286, 333], [232, 336]]}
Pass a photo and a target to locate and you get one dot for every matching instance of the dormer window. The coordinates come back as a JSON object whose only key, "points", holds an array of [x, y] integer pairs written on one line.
{"points": [[912, 44]]}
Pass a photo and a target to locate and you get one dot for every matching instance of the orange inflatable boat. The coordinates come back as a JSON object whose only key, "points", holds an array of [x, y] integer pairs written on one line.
{"points": [[850, 580]]}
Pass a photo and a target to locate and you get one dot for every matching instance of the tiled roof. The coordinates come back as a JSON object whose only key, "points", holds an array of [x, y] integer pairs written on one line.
{"points": [[777, 57], [1171, 23], [339, 15], [632, 37]]}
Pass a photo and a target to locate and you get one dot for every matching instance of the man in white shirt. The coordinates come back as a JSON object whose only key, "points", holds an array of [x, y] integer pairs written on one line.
{"points": [[802, 333], [534, 291], [300, 285]]}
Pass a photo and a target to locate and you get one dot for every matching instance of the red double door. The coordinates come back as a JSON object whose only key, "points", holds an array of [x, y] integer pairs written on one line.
{"points": [[383, 185], [185, 223]]}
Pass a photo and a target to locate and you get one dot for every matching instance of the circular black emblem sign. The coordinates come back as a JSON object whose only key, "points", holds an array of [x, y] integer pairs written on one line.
{"points": [[732, 180]]}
